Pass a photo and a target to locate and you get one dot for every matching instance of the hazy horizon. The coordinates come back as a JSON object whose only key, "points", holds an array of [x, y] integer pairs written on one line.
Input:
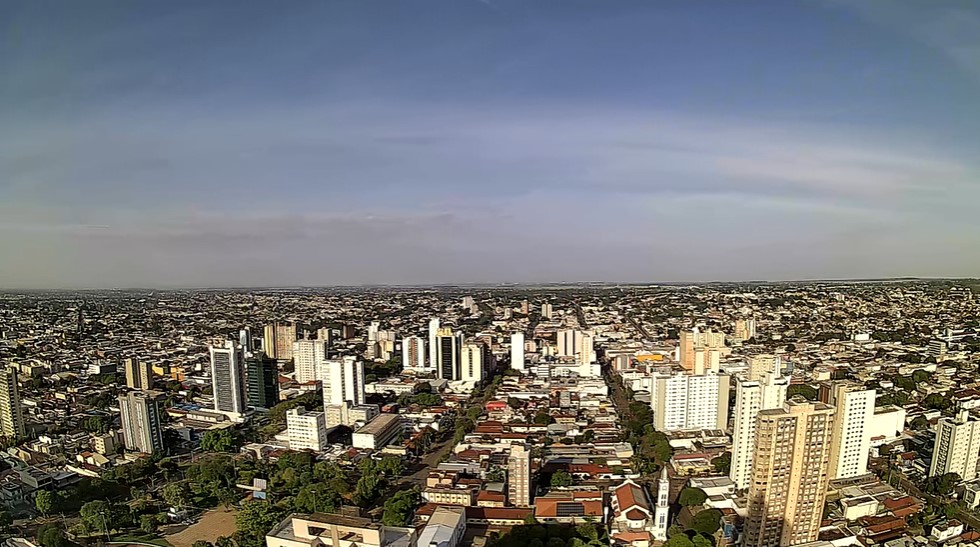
{"points": [[193, 145]]}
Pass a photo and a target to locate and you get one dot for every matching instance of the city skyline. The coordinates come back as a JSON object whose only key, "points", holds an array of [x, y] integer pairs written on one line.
{"points": [[188, 145]]}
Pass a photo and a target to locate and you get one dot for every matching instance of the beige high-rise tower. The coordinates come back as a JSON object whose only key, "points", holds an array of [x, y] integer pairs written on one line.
{"points": [[139, 374], [277, 341], [519, 476], [709, 344], [851, 444], [11, 419], [790, 472]]}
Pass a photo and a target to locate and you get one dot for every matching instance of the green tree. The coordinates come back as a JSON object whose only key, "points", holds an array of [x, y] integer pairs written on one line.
{"points": [[561, 479], [706, 522], [920, 422], [254, 520], [148, 523], [5, 521], [701, 541], [691, 497], [920, 376], [679, 540], [937, 401], [555, 542], [224, 541], [400, 508], [202, 543], [46, 502], [51, 535], [543, 418], [587, 531], [176, 494], [723, 463], [218, 440], [808, 392], [317, 497]]}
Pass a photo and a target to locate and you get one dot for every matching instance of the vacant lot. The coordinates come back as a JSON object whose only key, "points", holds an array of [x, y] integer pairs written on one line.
{"points": [[210, 527]]}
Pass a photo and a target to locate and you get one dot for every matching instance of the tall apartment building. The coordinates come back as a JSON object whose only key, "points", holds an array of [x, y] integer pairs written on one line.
{"points": [[413, 353], [262, 375], [277, 340], [789, 474], [307, 355], [474, 359], [139, 374], [11, 418], [447, 355], [744, 329], [306, 430], [342, 381], [228, 379], [517, 351], [684, 401], [750, 398], [569, 342], [519, 476], [547, 311], [957, 447], [761, 365], [693, 340], [433, 335], [851, 444], [139, 413]]}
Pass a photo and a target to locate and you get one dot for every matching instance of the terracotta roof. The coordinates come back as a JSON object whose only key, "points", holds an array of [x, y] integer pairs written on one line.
{"points": [[636, 514], [629, 495], [486, 495], [632, 536]]}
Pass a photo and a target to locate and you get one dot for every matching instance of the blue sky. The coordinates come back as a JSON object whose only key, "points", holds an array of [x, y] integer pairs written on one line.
{"points": [[188, 143]]}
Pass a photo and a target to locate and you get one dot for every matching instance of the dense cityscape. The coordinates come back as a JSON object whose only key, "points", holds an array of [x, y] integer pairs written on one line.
{"points": [[758, 415]]}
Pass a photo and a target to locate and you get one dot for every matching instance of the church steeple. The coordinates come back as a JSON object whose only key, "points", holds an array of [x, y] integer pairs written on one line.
{"points": [[662, 511]]}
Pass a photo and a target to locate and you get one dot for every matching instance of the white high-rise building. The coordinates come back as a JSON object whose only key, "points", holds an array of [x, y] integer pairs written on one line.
{"points": [[681, 401], [433, 332], [957, 447], [472, 360], [517, 351], [661, 512], [413, 353], [139, 414], [342, 381], [373, 329], [307, 355], [228, 379], [761, 365], [306, 430], [11, 418], [851, 444], [519, 476], [468, 302], [750, 398]]}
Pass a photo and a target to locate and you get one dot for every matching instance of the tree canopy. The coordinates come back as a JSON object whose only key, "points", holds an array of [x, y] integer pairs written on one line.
{"points": [[691, 497]]}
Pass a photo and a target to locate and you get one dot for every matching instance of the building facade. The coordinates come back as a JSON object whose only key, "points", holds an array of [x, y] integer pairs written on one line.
{"points": [[142, 429], [228, 379], [790, 473], [306, 430], [307, 355], [750, 398], [851, 445], [139, 374], [262, 376], [11, 416], [957, 447], [519, 476], [682, 401]]}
